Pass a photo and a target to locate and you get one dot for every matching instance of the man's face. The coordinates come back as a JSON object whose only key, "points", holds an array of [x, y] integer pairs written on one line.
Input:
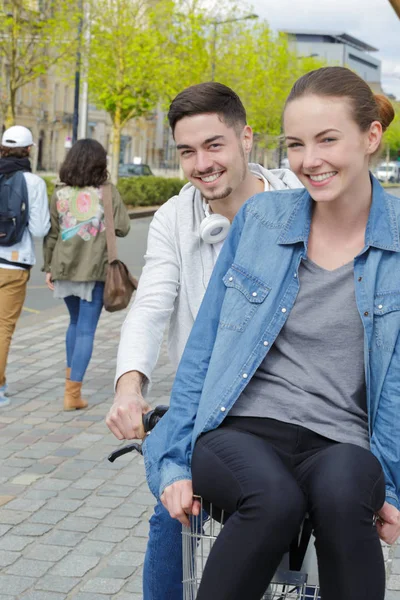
{"points": [[213, 156]]}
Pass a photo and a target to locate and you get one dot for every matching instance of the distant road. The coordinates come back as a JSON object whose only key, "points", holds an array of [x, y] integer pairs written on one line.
{"points": [[131, 250]]}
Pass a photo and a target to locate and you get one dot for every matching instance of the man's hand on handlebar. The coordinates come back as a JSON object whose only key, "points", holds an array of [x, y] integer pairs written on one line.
{"points": [[125, 417], [179, 502]]}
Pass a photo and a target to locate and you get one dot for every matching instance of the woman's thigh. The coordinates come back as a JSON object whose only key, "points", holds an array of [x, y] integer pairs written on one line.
{"points": [[72, 303], [89, 312], [230, 467], [343, 480]]}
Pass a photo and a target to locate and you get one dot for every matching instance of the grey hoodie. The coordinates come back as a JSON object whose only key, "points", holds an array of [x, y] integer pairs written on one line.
{"points": [[178, 266]]}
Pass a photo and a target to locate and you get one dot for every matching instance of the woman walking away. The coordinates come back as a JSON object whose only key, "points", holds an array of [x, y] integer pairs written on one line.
{"points": [[286, 400], [75, 253]]}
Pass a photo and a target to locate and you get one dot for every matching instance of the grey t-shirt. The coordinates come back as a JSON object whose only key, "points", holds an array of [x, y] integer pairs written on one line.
{"points": [[314, 373]]}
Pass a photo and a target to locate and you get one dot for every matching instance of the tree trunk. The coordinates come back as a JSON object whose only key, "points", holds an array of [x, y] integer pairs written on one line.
{"points": [[10, 116], [116, 142], [9, 122]]}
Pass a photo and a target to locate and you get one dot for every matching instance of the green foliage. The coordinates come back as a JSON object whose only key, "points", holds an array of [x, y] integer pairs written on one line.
{"points": [[391, 137], [142, 53], [127, 55], [148, 191], [33, 41], [241, 53], [50, 184]]}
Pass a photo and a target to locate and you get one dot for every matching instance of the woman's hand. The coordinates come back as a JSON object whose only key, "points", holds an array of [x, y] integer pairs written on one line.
{"points": [[388, 523], [49, 282], [178, 500]]}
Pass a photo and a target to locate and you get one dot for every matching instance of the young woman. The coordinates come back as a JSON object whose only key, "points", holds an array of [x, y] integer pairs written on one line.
{"points": [[287, 397], [75, 254]]}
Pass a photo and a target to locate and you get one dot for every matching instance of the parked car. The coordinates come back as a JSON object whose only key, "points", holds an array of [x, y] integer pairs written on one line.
{"points": [[388, 172], [131, 170]]}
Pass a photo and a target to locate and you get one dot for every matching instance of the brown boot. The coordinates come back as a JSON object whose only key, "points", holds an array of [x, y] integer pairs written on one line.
{"points": [[72, 396], [68, 373]]}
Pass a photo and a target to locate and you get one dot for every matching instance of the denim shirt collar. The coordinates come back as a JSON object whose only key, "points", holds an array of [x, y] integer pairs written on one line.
{"points": [[382, 229]]}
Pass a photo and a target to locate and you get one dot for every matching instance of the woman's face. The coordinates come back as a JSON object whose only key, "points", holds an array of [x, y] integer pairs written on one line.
{"points": [[326, 148]]}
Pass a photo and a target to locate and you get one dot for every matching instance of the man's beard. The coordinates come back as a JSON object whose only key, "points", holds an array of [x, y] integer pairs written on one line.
{"points": [[228, 190], [218, 195]]}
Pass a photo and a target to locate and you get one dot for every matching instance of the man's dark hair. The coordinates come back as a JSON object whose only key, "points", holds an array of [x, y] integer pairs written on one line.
{"points": [[207, 98], [85, 165], [20, 152]]}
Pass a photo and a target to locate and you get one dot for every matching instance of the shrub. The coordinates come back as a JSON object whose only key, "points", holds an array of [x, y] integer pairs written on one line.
{"points": [[148, 191], [50, 184]]}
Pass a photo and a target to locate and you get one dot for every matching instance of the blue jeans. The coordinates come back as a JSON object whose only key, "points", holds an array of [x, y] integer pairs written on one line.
{"points": [[84, 317], [162, 571]]}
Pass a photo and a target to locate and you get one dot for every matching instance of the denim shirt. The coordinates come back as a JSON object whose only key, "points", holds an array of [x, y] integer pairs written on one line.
{"points": [[252, 290]]}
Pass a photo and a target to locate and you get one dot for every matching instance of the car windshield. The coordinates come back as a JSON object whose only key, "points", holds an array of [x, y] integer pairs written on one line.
{"points": [[134, 170], [388, 168]]}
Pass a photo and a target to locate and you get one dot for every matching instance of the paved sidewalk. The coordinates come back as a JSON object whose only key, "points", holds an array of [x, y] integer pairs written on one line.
{"points": [[73, 525]]}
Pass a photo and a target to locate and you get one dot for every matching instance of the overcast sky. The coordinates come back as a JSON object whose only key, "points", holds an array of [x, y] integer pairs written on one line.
{"points": [[372, 21]]}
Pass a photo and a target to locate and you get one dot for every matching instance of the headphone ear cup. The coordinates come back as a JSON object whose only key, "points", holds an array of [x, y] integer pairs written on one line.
{"points": [[214, 229]]}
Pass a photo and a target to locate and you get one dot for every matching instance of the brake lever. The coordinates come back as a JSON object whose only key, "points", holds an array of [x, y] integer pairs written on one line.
{"points": [[124, 450], [150, 420]]}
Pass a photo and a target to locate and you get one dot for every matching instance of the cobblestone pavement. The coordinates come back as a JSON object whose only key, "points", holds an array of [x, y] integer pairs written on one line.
{"points": [[73, 525]]}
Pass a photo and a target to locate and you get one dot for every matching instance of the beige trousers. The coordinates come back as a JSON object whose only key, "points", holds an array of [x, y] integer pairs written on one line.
{"points": [[13, 283]]}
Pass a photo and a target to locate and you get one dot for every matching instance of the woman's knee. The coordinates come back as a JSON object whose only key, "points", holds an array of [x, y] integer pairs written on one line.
{"points": [[348, 478]]}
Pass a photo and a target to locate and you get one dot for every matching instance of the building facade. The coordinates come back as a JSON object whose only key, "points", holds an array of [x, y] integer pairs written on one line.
{"points": [[338, 49]]}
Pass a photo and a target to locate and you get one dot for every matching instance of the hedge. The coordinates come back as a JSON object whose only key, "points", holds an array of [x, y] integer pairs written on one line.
{"points": [[50, 184], [148, 191], [139, 191]]}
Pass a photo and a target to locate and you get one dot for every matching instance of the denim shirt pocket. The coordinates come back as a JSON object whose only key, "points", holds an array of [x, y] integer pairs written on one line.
{"points": [[386, 319], [244, 294]]}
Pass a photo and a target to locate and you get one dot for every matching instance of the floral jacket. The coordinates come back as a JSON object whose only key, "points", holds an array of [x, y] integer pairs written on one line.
{"points": [[75, 248]]}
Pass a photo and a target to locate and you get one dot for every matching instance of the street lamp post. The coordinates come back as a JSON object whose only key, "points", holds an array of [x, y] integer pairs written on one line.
{"points": [[214, 38], [75, 119]]}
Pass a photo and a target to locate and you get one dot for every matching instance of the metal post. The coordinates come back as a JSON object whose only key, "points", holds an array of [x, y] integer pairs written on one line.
{"points": [[214, 38], [75, 120], [83, 118], [214, 49]]}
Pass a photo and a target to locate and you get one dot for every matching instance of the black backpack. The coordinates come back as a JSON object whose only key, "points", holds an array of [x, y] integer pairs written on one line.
{"points": [[14, 208]]}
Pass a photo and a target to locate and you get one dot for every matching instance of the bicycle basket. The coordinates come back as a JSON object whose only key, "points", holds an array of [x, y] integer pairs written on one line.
{"points": [[197, 542]]}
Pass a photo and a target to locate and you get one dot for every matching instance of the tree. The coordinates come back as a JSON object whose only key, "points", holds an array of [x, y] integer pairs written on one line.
{"points": [[240, 52], [128, 61], [391, 138], [144, 52], [262, 68], [32, 41]]}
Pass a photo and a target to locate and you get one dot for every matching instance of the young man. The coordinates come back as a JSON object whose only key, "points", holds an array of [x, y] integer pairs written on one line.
{"points": [[208, 122], [17, 259]]}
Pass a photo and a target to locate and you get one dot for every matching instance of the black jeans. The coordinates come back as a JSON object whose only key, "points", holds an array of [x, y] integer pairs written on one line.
{"points": [[267, 474]]}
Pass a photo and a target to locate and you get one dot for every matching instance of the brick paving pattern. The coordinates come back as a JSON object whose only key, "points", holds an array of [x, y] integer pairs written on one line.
{"points": [[73, 525]]}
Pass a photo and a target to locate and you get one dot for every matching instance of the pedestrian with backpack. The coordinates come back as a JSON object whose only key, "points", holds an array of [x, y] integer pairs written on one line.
{"points": [[24, 214]]}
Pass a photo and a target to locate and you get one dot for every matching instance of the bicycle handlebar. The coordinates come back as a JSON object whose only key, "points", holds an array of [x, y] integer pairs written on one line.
{"points": [[150, 420]]}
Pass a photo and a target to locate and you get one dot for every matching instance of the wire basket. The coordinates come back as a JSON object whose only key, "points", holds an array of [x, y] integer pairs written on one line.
{"points": [[197, 541]]}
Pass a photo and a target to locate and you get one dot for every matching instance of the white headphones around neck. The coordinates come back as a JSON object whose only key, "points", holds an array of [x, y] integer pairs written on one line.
{"points": [[214, 228]]}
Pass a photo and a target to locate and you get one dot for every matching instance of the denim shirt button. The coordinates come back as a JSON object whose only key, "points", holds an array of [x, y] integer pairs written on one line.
{"points": [[283, 310], [230, 279], [245, 376], [223, 409], [254, 294], [380, 306], [266, 343]]}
